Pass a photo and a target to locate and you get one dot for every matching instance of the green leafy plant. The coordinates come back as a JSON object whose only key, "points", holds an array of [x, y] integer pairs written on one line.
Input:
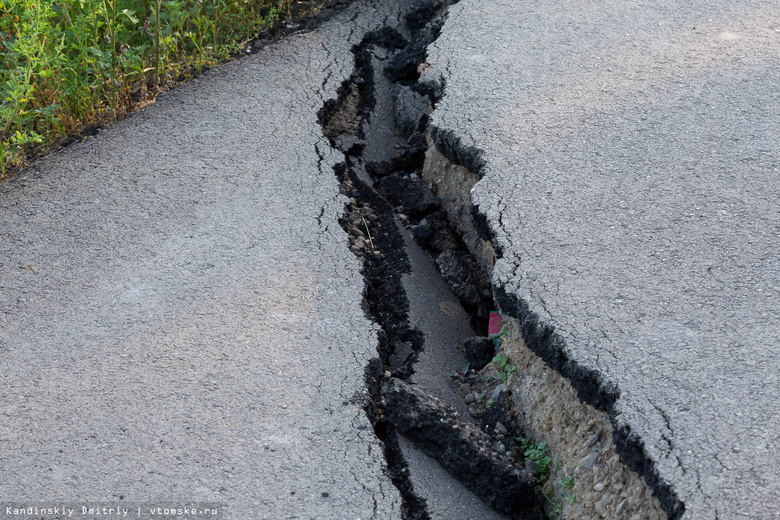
{"points": [[549, 495], [539, 454], [503, 332], [504, 367]]}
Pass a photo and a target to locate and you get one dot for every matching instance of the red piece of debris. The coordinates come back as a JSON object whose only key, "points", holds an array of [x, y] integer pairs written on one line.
{"points": [[495, 323]]}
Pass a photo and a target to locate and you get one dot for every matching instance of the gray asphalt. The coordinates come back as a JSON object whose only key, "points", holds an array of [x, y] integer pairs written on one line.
{"points": [[180, 314], [632, 179]]}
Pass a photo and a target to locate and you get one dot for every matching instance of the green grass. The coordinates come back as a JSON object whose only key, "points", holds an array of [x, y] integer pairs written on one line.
{"points": [[65, 64]]}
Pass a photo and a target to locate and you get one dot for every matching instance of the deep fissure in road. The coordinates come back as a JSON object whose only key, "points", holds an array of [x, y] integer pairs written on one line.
{"points": [[424, 185]]}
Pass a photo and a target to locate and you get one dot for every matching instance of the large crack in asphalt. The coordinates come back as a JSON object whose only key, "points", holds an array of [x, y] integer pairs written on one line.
{"points": [[388, 191], [370, 220]]}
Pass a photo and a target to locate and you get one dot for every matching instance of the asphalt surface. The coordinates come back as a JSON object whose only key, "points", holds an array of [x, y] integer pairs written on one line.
{"points": [[631, 177], [180, 316]]}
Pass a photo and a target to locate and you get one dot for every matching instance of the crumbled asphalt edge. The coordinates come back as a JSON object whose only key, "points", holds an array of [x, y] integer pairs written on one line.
{"points": [[466, 281], [541, 338], [385, 301], [481, 462]]}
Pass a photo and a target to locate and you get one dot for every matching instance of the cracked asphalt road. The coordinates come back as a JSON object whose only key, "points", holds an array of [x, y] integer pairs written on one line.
{"points": [[632, 180], [187, 324]]}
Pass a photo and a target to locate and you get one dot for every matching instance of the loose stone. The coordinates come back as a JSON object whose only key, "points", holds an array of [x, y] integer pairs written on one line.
{"points": [[494, 375], [356, 232], [589, 461]]}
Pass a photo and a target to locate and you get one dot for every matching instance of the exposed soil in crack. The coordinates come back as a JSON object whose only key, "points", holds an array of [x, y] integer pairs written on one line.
{"points": [[369, 221]]}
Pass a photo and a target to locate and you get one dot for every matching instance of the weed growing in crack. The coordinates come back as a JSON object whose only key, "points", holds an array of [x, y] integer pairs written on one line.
{"points": [[503, 332], [549, 495], [557, 505], [504, 367], [539, 454]]}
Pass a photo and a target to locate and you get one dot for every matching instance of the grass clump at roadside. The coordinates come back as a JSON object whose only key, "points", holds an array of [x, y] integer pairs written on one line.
{"points": [[69, 63]]}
